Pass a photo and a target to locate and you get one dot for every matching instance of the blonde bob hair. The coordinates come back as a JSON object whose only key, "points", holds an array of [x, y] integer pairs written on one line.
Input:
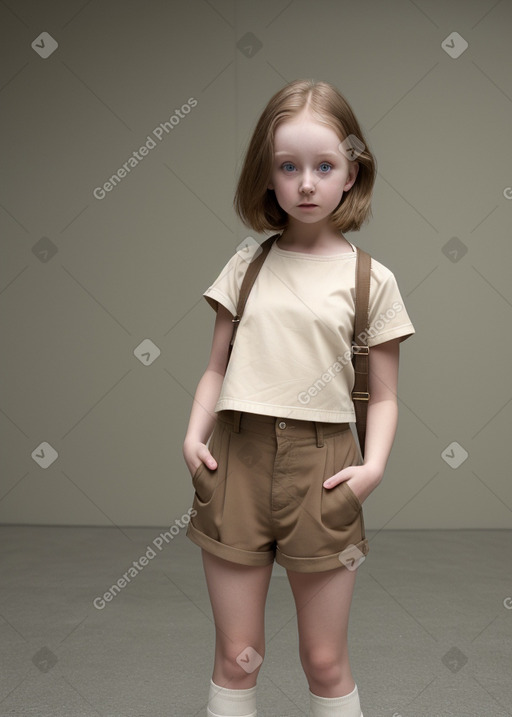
{"points": [[255, 204]]}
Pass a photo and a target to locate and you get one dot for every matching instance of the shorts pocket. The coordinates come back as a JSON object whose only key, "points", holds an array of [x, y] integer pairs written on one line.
{"points": [[340, 507], [204, 479], [352, 497]]}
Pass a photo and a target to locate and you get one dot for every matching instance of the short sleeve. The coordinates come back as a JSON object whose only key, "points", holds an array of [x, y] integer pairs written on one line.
{"points": [[388, 317], [226, 287]]}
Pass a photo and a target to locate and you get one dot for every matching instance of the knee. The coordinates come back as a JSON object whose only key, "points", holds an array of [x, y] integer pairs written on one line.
{"points": [[241, 663], [323, 666]]}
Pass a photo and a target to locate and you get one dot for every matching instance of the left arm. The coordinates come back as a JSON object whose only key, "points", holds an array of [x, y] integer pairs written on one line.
{"points": [[381, 422]]}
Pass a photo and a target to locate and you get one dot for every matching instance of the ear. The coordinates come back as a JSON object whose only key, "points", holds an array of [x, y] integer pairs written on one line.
{"points": [[352, 175], [270, 186]]}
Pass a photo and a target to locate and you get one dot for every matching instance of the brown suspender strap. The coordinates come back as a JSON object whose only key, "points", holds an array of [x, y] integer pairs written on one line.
{"points": [[360, 348], [247, 283]]}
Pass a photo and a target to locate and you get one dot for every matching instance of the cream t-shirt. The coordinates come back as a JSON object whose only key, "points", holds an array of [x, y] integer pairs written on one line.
{"points": [[292, 352]]}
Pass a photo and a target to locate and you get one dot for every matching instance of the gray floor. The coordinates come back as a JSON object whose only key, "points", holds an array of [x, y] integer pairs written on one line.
{"points": [[430, 629]]}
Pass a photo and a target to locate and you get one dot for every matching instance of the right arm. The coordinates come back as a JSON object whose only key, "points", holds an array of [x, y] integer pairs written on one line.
{"points": [[202, 416]]}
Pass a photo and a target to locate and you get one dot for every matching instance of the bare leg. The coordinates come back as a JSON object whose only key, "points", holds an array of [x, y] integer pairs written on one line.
{"points": [[323, 603], [237, 594]]}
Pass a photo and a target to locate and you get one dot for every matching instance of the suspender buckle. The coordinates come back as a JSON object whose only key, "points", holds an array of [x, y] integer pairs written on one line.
{"points": [[360, 396], [360, 350]]}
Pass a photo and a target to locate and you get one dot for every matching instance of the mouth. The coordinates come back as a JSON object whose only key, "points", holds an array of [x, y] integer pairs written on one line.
{"points": [[308, 205]]}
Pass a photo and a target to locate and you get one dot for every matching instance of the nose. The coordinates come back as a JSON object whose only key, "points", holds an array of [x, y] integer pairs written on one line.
{"points": [[307, 184]]}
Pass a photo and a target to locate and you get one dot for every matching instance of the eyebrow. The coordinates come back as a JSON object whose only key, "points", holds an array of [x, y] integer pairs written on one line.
{"points": [[319, 154]]}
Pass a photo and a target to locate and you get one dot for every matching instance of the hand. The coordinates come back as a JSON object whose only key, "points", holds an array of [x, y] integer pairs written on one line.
{"points": [[361, 479], [196, 453]]}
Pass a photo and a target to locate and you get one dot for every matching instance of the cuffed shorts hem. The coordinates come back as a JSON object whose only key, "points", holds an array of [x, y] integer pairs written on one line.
{"points": [[316, 564], [228, 552], [258, 558]]}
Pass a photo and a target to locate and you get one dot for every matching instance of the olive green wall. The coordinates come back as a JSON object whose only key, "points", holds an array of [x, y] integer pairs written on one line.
{"points": [[105, 333]]}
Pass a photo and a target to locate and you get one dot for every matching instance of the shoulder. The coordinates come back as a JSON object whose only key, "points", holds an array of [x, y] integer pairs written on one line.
{"points": [[237, 264], [380, 273], [383, 283]]}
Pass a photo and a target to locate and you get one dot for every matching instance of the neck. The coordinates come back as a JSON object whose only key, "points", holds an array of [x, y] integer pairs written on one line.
{"points": [[308, 236]]}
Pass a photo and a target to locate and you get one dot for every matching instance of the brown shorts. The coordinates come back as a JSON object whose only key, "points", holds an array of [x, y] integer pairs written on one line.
{"points": [[265, 500]]}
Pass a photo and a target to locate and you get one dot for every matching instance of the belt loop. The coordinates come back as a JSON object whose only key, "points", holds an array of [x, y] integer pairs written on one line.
{"points": [[319, 434], [237, 415]]}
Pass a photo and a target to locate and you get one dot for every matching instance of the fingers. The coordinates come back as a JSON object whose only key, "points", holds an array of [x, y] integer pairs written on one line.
{"points": [[208, 459], [212, 463], [339, 477], [203, 455]]}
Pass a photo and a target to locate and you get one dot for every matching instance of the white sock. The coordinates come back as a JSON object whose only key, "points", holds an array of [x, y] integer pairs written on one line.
{"points": [[345, 706], [231, 703]]}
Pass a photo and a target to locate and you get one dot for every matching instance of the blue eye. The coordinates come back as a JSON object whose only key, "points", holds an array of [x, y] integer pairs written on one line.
{"points": [[289, 167]]}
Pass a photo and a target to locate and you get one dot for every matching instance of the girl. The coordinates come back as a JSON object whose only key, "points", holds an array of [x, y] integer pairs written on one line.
{"points": [[282, 477]]}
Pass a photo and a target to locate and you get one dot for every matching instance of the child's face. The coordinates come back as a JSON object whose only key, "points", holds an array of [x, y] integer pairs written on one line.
{"points": [[309, 167]]}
